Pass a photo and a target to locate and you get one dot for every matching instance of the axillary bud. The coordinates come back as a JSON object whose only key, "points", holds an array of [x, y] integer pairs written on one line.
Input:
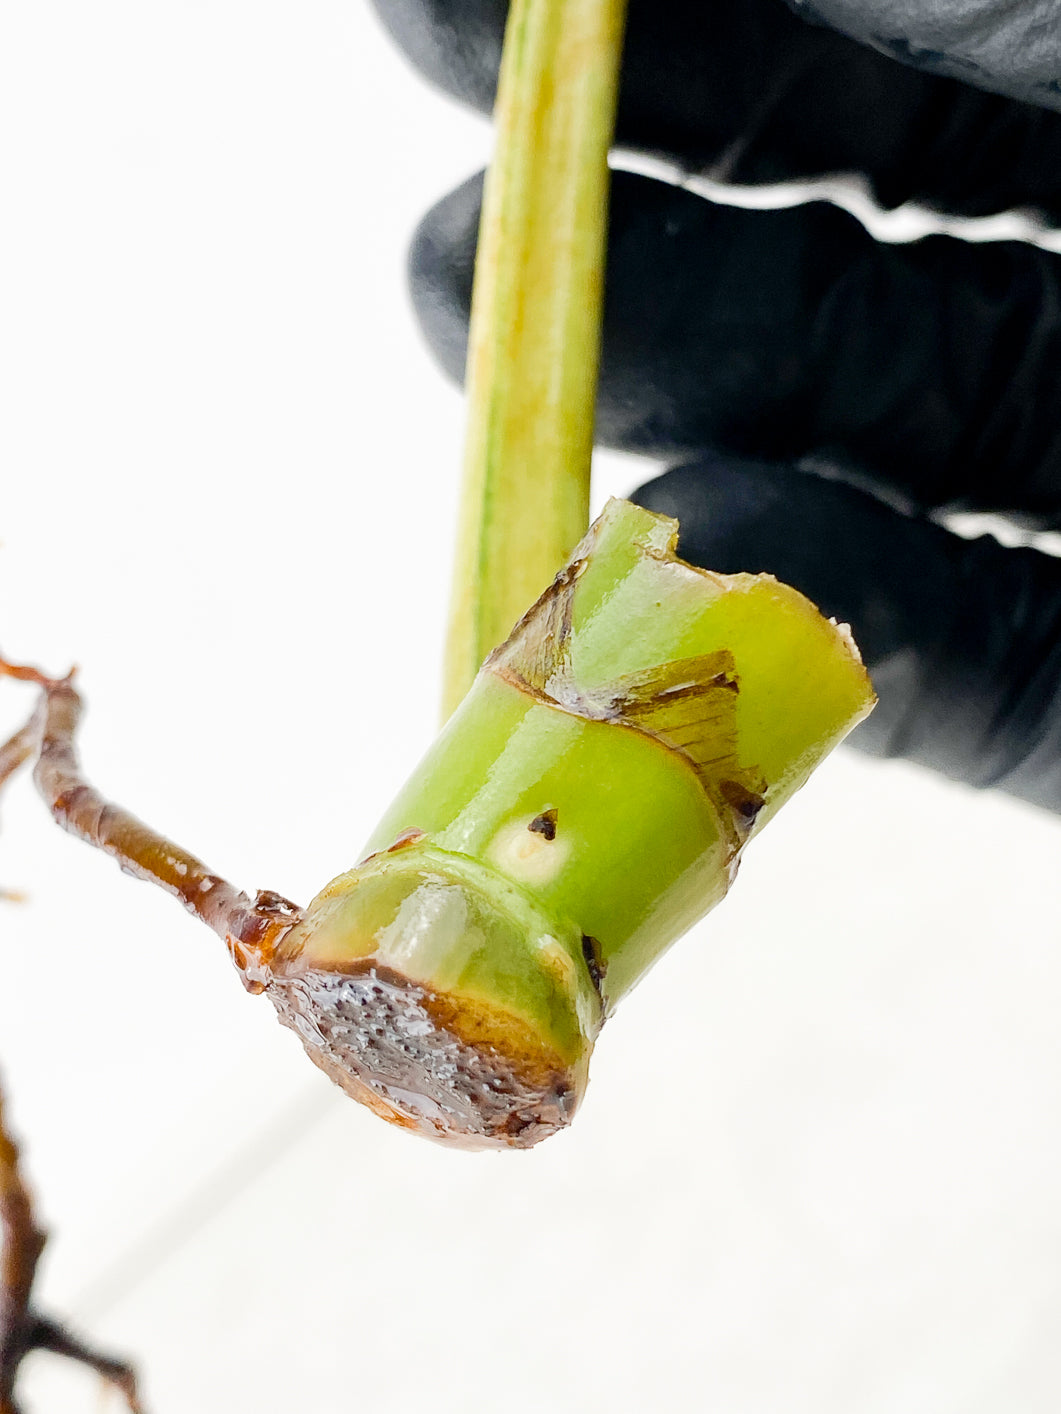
{"points": [[585, 805]]}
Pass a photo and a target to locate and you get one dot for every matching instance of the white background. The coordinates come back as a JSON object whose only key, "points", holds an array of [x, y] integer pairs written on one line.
{"points": [[818, 1169]]}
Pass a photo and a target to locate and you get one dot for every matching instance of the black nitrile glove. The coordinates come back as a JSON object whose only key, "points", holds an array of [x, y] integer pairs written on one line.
{"points": [[755, 346]]}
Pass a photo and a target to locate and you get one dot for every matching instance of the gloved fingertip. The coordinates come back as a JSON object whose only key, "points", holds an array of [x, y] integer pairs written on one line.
{"points": [[455, 44]]}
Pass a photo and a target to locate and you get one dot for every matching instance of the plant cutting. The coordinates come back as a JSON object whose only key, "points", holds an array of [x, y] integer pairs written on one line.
{"points": [[599, 773]]}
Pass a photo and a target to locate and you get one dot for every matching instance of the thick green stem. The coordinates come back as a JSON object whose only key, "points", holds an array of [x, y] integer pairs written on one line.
{"points": [[586, 804], [617, 752], [535, 328]]}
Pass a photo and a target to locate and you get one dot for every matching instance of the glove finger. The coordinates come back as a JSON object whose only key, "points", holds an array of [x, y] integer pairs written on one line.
{"points": [[933, 370], [962, 638], [1008, 48], [747, 92]]}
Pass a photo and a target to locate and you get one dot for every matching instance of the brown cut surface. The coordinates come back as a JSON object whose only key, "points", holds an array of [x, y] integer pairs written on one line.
{"points": [[452, 1071]]}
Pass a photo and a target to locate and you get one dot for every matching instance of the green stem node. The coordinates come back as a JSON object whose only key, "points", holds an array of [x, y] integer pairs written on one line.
{"points": [[587, 803]]}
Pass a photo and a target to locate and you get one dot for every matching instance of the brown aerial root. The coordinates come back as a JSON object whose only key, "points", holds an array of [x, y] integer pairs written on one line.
{"points": [[251, 928], [22, 1328]]}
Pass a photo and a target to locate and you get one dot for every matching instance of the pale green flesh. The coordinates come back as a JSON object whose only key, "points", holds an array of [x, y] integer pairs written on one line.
{"points": [[444, 922]]}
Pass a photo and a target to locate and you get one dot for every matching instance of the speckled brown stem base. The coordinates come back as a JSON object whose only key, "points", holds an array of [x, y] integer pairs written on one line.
{"points": [[413, 1060]]}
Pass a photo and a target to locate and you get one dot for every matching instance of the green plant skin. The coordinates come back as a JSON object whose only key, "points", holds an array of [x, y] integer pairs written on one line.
{"points": [[638, 855], [642, 846]]}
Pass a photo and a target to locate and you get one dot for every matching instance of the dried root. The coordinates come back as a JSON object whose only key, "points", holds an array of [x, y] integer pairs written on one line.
{"points": [[22, 1328], [251, 928], [13, 754]]}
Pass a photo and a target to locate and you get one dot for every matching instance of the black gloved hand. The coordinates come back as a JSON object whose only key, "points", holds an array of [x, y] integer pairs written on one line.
{"points": [[751, 342]]}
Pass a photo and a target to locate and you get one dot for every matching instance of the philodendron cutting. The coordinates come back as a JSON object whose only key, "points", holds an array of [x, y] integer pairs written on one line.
{"points": [[590, 796]]}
